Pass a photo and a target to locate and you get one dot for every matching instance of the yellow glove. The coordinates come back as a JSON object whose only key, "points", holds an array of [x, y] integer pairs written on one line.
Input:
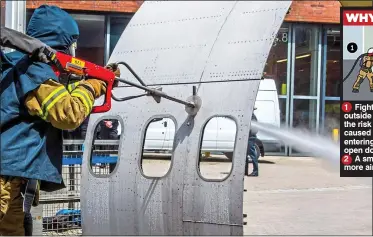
{"points": [[114, 68], [98, 86]]}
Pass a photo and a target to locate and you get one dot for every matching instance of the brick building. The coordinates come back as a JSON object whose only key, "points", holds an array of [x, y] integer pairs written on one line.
{"points": [[304, 60]]}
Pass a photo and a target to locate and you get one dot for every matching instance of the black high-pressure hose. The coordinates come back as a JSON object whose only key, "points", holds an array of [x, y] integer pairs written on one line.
{"points": [[353, 67], [138, 79], [127, 97], [132, 71]]}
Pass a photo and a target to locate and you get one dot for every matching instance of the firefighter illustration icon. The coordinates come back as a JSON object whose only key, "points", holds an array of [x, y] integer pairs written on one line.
{"points": [[358, 75], [357, 55], [365, 72]]}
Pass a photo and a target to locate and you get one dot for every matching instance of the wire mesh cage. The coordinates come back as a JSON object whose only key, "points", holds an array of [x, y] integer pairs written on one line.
{"points": [[61, 209], [62, 217]]}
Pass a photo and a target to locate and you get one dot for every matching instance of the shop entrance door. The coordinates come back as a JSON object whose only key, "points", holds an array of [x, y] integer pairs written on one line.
{"points": [[305, 80]]}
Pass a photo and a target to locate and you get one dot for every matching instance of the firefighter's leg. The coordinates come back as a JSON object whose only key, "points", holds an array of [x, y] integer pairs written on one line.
{"points": [[370, 78], [11, 211], [360, 78]]}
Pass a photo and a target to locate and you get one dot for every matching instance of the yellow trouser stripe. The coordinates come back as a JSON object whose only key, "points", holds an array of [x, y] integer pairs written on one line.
{"points": [[85, 98]]}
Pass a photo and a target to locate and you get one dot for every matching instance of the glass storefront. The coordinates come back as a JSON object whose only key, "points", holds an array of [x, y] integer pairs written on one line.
{"points": [[306, 69], [330, 106], [333, 54], [305, 77], [305, 60], [276, 68]]}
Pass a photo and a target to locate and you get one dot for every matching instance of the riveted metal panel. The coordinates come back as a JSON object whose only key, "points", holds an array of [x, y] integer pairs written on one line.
{"points": [[178, 44]]}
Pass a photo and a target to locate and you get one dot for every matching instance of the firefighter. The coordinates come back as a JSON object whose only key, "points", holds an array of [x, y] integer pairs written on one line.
{"points": [[366, 71], [35, 108]]}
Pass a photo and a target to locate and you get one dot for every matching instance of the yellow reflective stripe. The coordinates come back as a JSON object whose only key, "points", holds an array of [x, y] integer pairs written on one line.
{"points": [[53, 102], [46, 100], [87, 108], [85, 98], [72, 86]]}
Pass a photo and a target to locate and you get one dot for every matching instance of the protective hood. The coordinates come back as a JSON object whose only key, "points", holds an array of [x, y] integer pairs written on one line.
{"points": [[53, 26]]}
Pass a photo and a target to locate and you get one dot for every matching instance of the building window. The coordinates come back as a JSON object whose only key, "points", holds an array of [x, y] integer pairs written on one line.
{"points": [[29, 13], [276, 66], [306, 71], [91, 42], [117, 26], [304, 114], [332, 118], [331, 108], [2, 13], [333, 54], [306, 60]]}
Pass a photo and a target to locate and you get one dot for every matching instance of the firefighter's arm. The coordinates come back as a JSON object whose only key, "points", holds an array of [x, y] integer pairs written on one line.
{"points": [[369, 62], [64, 108]]}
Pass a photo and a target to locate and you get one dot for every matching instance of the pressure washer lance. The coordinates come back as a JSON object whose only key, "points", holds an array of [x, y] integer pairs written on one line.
{"points": [[150, 91], [156, 92]]}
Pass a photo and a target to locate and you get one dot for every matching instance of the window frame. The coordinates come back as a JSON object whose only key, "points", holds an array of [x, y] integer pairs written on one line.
{"points": [[142, 144], [199, 156]]}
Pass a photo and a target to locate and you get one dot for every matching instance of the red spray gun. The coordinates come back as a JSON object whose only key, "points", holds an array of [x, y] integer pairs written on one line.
{"points": [[63, 63], [66, 63]]}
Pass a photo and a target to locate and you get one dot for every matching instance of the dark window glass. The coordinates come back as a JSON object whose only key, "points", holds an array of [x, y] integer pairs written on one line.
{"points": [[276, 66], [333, 54], [306, 60], [117, 26], [91, 42]]}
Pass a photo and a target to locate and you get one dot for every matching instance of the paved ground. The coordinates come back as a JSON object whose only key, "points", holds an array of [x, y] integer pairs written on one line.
{"points": [[302, 196]]}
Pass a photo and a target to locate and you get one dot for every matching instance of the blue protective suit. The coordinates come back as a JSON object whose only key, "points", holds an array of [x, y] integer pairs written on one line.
{"points": [[31, 147]]}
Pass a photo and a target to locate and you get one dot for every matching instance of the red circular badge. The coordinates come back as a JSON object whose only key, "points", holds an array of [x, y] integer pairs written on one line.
{"points": [[346, 159], [346, 107]]}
